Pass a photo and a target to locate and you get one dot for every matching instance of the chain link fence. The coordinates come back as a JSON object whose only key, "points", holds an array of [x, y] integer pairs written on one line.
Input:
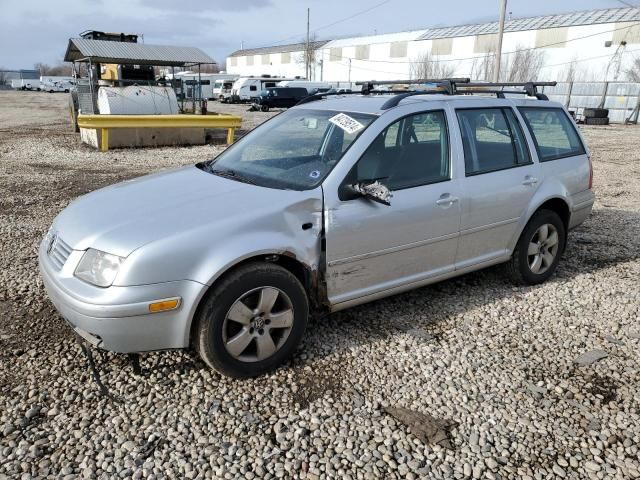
{"points": [[621, 98]]}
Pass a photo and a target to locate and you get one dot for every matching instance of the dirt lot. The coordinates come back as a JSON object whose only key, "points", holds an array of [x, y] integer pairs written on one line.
{"points": [[495, 362]]}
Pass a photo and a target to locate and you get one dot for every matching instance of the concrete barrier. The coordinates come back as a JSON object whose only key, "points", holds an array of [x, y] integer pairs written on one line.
{"points": [[104, 123]]}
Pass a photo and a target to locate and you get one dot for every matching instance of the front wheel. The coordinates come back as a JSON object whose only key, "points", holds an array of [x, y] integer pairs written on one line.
{"points": [[264, 108], [539, 249], [252, 321]]}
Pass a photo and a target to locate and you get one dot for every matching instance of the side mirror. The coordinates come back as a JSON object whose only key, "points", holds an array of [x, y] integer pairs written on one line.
{"points": [[374, 191]]}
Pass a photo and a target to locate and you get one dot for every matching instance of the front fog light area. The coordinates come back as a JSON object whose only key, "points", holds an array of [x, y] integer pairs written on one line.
{"points": [[98, 268]]}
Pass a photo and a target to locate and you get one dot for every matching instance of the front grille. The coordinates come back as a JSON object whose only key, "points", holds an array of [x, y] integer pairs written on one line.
{"points": [[59, 252]]}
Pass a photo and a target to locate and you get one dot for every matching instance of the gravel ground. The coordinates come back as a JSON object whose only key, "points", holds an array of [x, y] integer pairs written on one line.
{"points": [[495, 364]]}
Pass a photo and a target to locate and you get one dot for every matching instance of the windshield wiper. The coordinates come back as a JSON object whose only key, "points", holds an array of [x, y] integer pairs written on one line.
{"points": [[233, 175]]}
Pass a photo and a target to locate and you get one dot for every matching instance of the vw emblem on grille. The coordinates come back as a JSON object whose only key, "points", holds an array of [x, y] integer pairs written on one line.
{"points": [[52, 243]]}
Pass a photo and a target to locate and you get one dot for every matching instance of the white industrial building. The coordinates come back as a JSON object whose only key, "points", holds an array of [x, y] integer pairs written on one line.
{"points": [[593, 45]]}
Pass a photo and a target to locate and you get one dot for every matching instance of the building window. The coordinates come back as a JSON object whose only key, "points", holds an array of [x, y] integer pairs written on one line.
{"points": [[362, 52], [551, 37], [285, 57], [335, 54], [265, 59], [249, 60], [398, 49], [442, 46], [626, 32], [486, 43], [233, 62]]}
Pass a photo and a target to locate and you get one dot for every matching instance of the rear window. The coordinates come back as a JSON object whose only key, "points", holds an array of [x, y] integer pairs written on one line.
{"points": [[553, 132]]}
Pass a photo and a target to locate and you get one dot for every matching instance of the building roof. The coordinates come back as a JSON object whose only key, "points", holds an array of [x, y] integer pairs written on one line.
{"points": [[589, 17], [291, 47], [104, 51], [373, 39]]}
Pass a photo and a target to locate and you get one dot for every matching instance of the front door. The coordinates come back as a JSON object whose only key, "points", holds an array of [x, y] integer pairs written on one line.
{"points": [[373, 247], [500, 180]]}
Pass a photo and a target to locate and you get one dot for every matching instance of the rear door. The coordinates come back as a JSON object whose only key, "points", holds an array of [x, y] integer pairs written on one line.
{"points": [[500, 180]]}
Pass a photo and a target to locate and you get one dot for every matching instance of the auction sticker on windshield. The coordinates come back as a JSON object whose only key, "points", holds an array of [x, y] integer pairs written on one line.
{"points": [[346, 123]]}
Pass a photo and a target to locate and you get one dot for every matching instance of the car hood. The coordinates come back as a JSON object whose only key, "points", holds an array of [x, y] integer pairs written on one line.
{"points": [[123, 217]]}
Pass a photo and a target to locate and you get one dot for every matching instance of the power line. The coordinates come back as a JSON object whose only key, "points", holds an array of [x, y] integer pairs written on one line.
{"points": [[322, 27]]}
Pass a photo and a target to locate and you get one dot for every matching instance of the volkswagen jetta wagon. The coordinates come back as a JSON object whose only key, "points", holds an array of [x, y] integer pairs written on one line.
{"points": [[331, 204]]}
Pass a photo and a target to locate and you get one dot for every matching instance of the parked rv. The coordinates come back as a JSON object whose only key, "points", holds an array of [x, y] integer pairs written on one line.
{"points": [[222, 88], [189, 82], [247, 89]]}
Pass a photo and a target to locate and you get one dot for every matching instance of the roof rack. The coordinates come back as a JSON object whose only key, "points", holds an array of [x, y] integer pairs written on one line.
{"points": [[447, 86]]}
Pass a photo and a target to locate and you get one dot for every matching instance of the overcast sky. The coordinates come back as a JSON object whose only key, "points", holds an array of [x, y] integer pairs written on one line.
{"points": [[37, 30]]}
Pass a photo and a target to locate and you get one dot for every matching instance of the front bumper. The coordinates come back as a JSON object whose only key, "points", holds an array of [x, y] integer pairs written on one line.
{"points": [[118, 318]]}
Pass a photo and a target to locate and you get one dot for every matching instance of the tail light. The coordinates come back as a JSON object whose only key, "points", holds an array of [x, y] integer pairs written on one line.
{"points": [[590, 174]]}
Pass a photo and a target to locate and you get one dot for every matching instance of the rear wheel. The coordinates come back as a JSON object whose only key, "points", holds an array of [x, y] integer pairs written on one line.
{"points": [[539, 249], [252, 321], [264, 108]]}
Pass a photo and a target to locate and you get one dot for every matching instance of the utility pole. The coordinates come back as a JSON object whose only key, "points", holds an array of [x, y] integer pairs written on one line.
{"points": [[307, 53], [349, 72], [496, 70]]}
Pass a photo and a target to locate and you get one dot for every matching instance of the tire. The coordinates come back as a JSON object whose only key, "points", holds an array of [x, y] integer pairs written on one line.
{"points": [[522, 266], [596, 112], [596, 121], [239, 294], [264, 108]]}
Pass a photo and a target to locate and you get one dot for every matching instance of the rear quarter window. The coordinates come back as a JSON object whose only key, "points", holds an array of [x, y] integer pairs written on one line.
{"points": [[553, 132]]}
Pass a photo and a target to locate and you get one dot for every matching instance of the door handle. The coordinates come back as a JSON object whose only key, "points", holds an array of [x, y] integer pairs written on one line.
{"points": [[446, 199], [529, 180]]}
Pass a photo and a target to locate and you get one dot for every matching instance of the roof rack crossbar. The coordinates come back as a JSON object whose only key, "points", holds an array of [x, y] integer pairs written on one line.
{"points": [[447, 83]]}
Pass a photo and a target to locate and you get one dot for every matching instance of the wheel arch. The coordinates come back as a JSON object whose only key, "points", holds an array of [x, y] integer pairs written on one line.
{"points": [[308, 277], [555, 203]]}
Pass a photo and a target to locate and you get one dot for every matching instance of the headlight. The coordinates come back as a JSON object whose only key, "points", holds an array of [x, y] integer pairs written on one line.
{"points": [[98, 268]]}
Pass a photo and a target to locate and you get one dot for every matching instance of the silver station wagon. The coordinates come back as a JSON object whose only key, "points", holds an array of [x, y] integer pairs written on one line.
{"points": [[338, 201]]}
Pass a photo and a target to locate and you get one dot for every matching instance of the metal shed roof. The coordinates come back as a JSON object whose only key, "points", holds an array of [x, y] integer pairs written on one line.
{"points": [[291, 47], [104, 51], [590, 17]]}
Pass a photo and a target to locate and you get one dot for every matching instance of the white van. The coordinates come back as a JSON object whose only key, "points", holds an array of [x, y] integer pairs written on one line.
{"points": [[312, 87], [245, 89]]}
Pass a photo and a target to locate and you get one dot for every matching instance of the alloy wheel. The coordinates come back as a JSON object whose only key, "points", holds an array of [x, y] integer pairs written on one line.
{"points": [[543, 248], [258, 324]]}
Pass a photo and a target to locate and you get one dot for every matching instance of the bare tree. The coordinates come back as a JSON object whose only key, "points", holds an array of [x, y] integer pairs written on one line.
{"points": [[425, 66], [482, 68], [3, 76], [309, 54], [522, 65], [62, 69], [633, 72]]}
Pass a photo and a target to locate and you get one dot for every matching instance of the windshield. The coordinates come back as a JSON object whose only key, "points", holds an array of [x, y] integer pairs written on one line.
{"points": [[294, 150]]}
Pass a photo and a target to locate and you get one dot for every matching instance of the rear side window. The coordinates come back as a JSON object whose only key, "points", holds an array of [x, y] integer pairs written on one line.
{"points": [[553, 132], [492, 139]]}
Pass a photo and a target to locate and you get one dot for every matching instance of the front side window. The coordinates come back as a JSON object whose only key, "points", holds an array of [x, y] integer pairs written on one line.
{"points": [[492, 140], [410, 152], [553, 133], [294, 150]]}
